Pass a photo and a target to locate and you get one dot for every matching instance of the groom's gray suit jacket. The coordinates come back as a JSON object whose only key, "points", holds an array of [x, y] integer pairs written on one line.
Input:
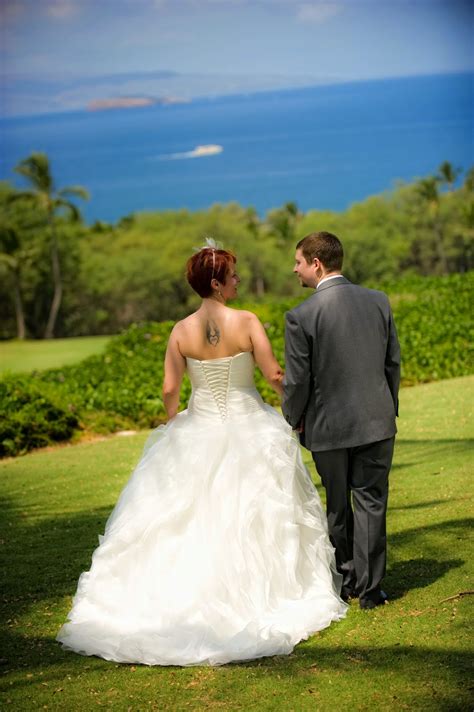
{"points": [[342, 362]]}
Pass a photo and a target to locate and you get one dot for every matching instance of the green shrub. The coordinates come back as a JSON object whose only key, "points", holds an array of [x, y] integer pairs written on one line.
{"points": [[29, 419], [125, 380], [433, 318], [121, 388]]}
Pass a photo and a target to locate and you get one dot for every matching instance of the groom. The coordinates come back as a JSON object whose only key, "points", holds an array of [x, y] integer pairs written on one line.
{"points": [[341, 393]]}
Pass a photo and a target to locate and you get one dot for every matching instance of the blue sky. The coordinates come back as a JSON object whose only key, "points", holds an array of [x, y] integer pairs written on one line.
{"points": [[220, 46]]}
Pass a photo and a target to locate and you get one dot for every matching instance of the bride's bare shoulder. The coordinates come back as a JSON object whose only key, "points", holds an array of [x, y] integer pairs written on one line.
{"points": [[181, 329], [245, 316], [187, 322]]}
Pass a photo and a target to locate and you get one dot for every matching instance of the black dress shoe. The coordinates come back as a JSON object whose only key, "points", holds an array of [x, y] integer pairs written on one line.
{"points": [[369, 603], [348, 593]]}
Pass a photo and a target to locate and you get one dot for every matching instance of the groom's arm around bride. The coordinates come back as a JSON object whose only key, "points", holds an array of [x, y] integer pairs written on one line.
{"points": [[342, 361]]}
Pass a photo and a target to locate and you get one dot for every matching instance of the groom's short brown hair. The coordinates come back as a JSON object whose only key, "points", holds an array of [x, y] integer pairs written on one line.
{"points": [[325, 246]]}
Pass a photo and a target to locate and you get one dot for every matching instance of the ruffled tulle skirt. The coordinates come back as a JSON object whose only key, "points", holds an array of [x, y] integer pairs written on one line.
{"points": [[216, 551]]}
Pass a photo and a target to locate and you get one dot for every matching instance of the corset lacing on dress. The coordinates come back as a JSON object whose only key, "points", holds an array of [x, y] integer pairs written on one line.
{"points": [[217, 375], [224, 388]]}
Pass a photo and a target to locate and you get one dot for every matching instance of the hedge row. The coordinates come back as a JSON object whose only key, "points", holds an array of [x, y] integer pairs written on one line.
{"points": [[122, 387], [29, 418]]}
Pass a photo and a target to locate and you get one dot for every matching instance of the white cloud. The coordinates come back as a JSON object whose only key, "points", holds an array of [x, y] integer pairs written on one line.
{"points": [[317, 12], [62, 9]]}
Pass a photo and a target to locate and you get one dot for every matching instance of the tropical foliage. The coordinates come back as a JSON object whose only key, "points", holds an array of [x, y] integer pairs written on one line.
{"points": [[60, 277], [121, 388], [29, 419], [47, 203]]}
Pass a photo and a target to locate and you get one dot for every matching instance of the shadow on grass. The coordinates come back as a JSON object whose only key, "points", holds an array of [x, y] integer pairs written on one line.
{"points": [[425, 505], [404, 576], [44, 560], [430, 447], [311, 662], [423, 450], [463, 443]]}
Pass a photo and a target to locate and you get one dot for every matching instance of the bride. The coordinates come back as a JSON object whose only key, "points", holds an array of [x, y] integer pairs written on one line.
{"points": [[217, 549]]}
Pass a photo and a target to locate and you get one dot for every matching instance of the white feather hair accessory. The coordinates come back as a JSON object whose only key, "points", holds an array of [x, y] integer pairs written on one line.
{"points": [[211, 244]]}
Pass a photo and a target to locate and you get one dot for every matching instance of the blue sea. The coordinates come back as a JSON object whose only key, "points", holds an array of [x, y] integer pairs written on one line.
{"points": [[323, 147]]}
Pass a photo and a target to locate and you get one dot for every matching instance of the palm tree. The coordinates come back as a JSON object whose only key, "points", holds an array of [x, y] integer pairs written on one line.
{"points": [[36, 170], [17, 222], [427, 189], [469, 180], [10, 258], [447, 174], [282, 222]]}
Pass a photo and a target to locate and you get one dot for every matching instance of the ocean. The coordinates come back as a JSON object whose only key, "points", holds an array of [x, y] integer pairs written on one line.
{"points": [[323, 147]]}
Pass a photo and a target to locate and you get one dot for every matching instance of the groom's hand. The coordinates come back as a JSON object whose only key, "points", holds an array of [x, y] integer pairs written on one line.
{"points": [[300, 427]]}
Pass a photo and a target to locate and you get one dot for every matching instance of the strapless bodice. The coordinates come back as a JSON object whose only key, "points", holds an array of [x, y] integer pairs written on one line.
{"points": [[223, 387]]}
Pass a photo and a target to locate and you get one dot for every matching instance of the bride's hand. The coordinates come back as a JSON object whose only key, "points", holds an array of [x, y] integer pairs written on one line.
{"points": [[300, 427]]}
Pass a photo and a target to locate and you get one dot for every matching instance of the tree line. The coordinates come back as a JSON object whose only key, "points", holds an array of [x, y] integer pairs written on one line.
{"points": [[61, 277]]}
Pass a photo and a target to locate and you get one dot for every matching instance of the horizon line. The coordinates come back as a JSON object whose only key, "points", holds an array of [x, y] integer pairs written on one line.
{"points": [[313, 84]]}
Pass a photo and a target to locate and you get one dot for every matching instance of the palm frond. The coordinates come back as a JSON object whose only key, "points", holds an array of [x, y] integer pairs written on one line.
{"points": [[74, 191], [37, 171], [68, 207], [14, 196], [447, 173], [427, 188]]}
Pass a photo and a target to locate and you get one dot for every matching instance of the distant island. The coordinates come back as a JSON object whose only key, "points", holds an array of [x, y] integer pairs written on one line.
{"points": [[132, 102]]}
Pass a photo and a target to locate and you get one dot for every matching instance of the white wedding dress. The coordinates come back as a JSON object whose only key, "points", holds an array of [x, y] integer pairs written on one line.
{"points": [[217, 549]]}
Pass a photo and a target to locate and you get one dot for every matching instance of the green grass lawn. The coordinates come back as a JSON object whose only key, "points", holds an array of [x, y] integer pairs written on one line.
{"points": [[37, 355], [411, 654]]}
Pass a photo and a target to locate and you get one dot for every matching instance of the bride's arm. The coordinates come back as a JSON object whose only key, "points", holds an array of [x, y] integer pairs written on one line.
{"points": [[175, 366], [263, 354]]}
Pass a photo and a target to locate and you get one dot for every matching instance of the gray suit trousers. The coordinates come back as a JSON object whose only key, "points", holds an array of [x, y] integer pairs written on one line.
{"points": [[357, 524]]}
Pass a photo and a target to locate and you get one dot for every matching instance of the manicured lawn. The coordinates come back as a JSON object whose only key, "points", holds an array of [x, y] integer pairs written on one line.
{"points": [[37, 355], [411, 654]]}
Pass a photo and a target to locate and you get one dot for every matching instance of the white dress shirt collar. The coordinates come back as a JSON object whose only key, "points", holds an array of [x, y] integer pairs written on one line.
{"points": [[326, 279]]}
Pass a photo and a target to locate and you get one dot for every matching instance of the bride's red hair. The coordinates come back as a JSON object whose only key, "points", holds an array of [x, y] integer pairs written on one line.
{"points": [[206, 265]]}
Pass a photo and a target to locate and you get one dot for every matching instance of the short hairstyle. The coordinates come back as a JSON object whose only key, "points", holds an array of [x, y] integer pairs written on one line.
{"points": [[325, 246], [208, 264]]}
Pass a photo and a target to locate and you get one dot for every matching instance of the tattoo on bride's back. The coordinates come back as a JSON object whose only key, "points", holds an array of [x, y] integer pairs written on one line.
{"points": [[213, 335]]}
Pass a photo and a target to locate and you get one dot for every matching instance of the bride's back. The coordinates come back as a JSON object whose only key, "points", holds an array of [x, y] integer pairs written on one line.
{"points": [[214, 331]]}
